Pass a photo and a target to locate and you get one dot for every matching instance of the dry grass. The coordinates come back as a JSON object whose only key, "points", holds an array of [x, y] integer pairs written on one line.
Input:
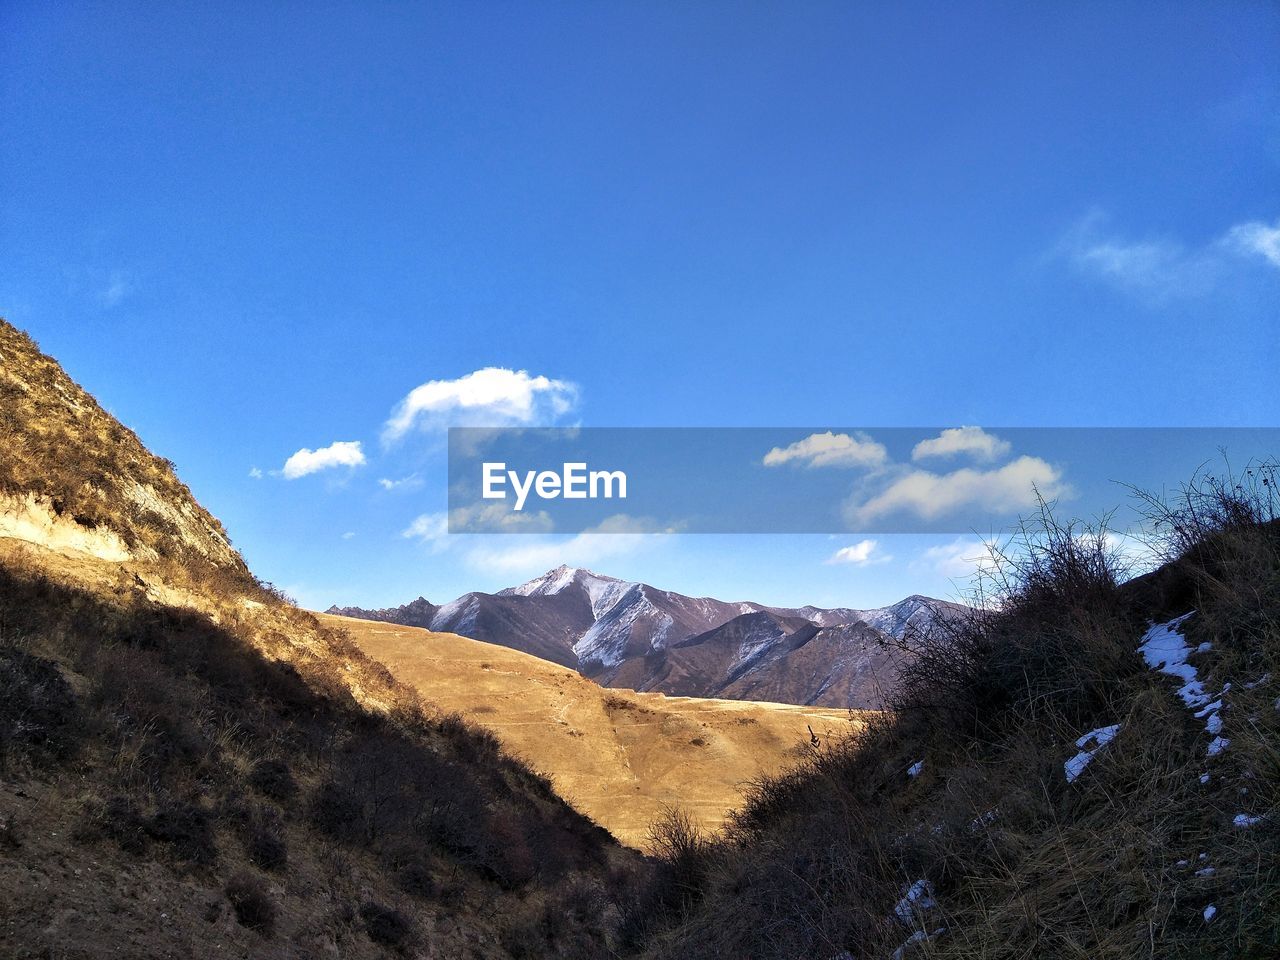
{"points": [[169, 740], [618, 756], [1120, 864], [63, 449]]}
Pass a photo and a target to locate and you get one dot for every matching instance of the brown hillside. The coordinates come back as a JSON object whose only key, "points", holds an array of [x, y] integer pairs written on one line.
{"points": [[620, 757], [65, 458], [192, 767]]}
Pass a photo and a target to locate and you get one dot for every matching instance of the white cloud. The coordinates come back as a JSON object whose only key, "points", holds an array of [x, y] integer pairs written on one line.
{"points": [[116, 289], [830, 450], [860, 554], [349, 535], [614, 537], [1136, 552], [343, 453], [492, 397], [962, 440], [430, 528], [931, 495], [1256, 238], [1161, 268], [1150, 264], [256, 473], [960, 559], [499, 518], [411, 482]]}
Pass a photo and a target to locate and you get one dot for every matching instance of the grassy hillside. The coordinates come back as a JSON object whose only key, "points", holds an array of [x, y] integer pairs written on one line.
{"points": [[65, 455], [620, 757], [1044, 789], [191, 766]]}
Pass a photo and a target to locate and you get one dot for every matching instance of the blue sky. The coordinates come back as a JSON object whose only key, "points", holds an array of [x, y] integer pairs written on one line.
{"points": [[253, 229]]}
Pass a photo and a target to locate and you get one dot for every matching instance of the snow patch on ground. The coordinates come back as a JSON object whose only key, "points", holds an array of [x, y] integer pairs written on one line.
{"points": [[918, 937], [917, 897], [1164, 649], [1099, 738]]}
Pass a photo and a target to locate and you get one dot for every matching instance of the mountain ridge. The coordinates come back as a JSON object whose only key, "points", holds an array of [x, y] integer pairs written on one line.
{"points": [[631, 634]]}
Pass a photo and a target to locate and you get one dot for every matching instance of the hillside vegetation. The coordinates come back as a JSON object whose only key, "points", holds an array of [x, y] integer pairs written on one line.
{"points": [[1045, 788], [620, 757], [191, 766], [65, 455], [1084, 766]]}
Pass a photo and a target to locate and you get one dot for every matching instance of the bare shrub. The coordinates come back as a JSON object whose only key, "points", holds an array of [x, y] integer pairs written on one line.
{"points": [[252, 902], [509, 859], [336, 810], [273, 779], [387, 925], [1050, 630], [265, 840], [186, 827], [39, 716]]}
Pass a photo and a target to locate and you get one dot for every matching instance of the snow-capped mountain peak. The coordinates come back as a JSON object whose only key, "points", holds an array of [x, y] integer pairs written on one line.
{"points": [[556, 581]]}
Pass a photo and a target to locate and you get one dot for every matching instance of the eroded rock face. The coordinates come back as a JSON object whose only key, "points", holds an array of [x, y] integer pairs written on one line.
{"points": [[32, 519], [72, 478]]}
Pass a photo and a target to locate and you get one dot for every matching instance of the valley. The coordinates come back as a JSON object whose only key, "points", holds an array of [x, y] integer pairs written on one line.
{"points": [[618, 756]]}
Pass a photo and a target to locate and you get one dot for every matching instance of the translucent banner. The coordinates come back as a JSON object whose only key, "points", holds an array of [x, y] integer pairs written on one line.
{"points": [[820, 479]]}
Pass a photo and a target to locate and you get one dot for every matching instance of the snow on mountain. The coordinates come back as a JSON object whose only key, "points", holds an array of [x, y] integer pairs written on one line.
{"points": [[624, 633], [458, 615]]}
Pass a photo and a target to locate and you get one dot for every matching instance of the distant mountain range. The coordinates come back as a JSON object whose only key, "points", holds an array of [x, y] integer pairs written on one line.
{"points": [[625, 634]]}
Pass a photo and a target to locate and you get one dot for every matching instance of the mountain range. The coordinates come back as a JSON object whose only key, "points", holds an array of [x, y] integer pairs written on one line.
{"points": [[622, 633]]}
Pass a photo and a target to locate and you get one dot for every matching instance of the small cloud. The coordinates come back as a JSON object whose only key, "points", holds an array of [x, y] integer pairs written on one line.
{"points": [[1256, 239], [614, 537], [498, 518], [492, 397], [117, 288], [625, 523], [1135, 553], [960, 559], [954, 441], [1163, 268], [928, 495], [1156, 268], [412, 482], [860, 554], [830, 450], [429, 528], [256, 473], [349, 535], [343, 453]]}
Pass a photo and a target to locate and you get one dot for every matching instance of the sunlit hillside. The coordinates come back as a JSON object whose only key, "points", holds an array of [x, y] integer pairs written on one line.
{"points": [[623, 758]]}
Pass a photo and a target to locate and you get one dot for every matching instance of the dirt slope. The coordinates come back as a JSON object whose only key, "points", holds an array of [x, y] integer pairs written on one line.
{"points": [[617, 755]]}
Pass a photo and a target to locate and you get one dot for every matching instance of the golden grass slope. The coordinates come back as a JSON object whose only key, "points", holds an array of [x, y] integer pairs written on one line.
{"points": [[618, 756]]}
